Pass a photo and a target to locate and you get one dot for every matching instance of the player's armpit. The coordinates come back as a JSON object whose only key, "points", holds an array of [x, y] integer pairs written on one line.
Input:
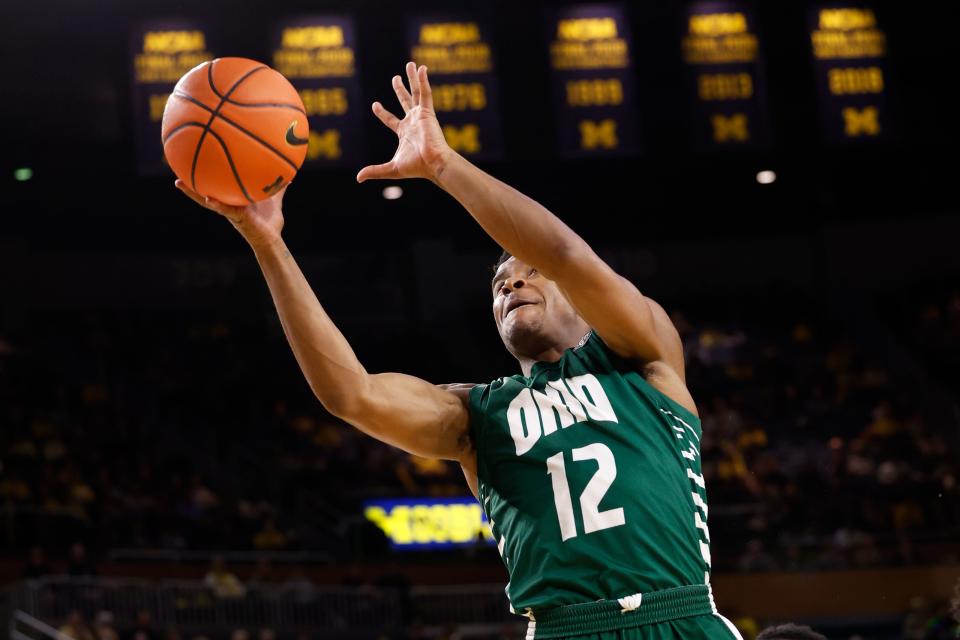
{"points": [[412, 414]]}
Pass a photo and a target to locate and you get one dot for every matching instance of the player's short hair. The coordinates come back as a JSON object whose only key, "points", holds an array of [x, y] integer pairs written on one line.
{"points": [[789, 631], [503, 258]]}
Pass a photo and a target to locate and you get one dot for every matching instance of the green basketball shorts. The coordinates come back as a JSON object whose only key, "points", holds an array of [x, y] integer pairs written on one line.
{"points": [[683, 613]]}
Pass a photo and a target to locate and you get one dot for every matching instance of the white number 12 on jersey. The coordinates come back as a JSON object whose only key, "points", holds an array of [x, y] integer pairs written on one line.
{"points": [[593, 518]]}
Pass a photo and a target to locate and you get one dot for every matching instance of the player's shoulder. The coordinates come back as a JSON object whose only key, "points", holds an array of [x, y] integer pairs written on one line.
{"points": [[458, 388], [668, 337]]}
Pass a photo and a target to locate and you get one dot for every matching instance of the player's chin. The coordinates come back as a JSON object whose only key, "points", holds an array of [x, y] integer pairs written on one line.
{"points": [[522, 332]]}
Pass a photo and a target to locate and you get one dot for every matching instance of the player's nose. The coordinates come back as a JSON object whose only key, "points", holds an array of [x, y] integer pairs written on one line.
{"points": [[512, 284]]}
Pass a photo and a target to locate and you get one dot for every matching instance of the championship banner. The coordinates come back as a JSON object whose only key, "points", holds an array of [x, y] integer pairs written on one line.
{"points": [[317, 54], [849, 54], [163, 50], [459, 57], [430, 523], [593, 84], [721, 52]]}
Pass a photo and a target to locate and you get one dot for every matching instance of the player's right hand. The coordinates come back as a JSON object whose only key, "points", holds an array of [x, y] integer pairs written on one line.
{"points": [[422, 150], [260, 223]]}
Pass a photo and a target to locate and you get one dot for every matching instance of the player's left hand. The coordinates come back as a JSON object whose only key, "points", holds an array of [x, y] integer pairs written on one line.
{"points": [[422, 151]]}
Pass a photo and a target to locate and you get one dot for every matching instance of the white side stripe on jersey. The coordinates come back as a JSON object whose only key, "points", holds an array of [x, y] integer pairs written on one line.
{"points": [[681, 421], [701, 525], [696, 478], [705, 552], [698, 501]]}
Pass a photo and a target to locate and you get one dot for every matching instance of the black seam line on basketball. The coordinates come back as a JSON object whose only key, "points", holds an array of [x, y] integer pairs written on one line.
{"points": [[178, 128], [196, 154], [213, 116], [233, 167], [249, 104], [246, 104], [230, 100], [189, 98], [226, 152], [210, 80], [257, 105]]}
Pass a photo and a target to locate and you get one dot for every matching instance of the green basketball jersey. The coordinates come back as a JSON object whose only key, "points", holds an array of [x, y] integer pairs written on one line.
{"points": [[591, 480]]}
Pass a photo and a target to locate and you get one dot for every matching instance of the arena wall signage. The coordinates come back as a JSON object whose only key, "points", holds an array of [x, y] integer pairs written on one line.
{"points": [[593, 80], [725, 76], [456, 49], [163, 50], [430, 523], [317, 54], [849, 54]]}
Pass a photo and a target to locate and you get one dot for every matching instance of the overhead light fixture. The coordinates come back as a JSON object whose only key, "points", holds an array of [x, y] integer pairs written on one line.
{"points": [[767, 177], [393, 192]]}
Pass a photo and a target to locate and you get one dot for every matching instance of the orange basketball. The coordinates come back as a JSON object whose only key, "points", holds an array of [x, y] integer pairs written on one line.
{"points": [[235, 130]]}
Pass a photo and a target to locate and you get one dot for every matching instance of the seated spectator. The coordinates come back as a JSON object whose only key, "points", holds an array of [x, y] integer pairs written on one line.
{"points": [[756, 558], [15, 489], [789, 631], [298, 587], [269, 538], [36, 566], [76, 627], [263, 577], [143, 628], [223, 583], [79, 565], [103, 627]]}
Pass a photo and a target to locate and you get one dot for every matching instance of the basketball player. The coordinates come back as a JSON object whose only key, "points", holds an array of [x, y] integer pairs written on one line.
{"points": [[587, 463]]}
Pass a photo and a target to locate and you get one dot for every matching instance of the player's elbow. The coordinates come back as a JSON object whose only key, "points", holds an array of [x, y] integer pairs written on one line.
{"points": [[348, 402], [568, 256]]}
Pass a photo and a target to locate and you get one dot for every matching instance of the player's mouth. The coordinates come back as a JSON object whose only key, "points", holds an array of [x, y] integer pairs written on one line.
{"points": [[515, 304]]}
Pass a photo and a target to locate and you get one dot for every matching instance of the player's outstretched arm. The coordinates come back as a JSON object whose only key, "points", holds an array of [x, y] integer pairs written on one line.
{"points": [[401, 410], [632, 325]]}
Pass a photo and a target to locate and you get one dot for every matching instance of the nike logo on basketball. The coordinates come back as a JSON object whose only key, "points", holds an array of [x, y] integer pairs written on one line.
{"points": [[274, 186], [292, 138]]}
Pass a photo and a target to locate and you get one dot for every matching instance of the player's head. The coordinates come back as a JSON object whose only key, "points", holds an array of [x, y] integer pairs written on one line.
{"points": [[532, 314], [789, 631]]}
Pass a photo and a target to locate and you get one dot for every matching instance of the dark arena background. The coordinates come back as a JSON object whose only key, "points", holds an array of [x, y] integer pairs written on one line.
{"points": [[780, 176]]}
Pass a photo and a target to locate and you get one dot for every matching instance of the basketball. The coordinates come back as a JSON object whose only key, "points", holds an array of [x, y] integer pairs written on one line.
{"points": [[234, 130]]}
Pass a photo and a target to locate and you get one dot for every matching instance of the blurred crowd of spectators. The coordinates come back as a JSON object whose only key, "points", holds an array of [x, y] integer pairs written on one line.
{"points": [[138, 430], [817, 455], [928, 320]]}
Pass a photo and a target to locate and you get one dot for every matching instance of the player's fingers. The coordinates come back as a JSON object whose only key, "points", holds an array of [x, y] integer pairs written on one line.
{"points": [[414, 83], [190, 193], [386, 117], [207, 202], [426, 93], [402, 94], [377, 172], [278, 196]]}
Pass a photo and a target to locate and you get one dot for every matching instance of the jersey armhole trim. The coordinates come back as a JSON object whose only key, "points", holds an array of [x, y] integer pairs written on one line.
{"points": [[477, 423], [670, 404], [676, 407]]}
